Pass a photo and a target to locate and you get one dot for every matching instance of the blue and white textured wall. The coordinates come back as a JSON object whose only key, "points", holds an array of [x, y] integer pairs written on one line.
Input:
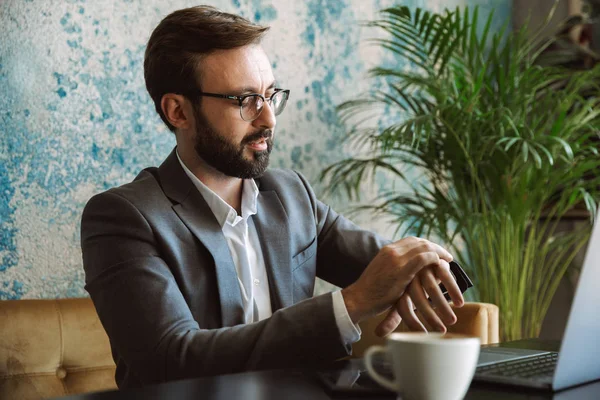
{"points": [[75, 118]]}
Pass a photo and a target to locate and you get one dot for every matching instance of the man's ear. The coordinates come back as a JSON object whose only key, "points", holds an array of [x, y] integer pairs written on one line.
{"points": [[175, 108]]}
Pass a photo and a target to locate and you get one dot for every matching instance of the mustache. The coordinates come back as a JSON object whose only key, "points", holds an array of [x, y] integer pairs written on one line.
{"points": [[262, 134]]}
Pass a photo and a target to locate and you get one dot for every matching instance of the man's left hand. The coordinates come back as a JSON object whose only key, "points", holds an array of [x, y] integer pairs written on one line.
{"points": [[437, 314]]}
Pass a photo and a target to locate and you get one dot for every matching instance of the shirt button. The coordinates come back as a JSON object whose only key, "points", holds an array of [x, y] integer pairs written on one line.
{"points": [[256, 282]]}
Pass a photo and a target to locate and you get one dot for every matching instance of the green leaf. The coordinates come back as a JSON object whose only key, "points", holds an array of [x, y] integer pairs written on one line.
{"points": [[536, 156], [547, 153], [566, 146]]}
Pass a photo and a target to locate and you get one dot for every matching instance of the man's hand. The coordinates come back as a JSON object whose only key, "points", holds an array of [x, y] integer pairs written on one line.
{"points": [[389, 275], [438, 314]]}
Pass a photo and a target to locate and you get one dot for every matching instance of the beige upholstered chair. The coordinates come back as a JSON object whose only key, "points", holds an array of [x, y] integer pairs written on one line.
{"points": [[51, 348], [474, 319]]}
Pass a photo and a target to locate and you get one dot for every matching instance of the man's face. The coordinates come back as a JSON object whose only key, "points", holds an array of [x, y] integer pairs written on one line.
{"points": [[223, 139]]}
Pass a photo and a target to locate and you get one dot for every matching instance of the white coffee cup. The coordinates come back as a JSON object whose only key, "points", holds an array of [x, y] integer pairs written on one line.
{"points": [[428, 366]]}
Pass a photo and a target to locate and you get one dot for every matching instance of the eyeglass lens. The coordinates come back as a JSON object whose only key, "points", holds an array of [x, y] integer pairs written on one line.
{"points": [[252, 106]]}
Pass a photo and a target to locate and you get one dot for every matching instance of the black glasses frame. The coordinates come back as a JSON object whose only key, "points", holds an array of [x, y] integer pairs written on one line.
{"points": [[240, 99]]}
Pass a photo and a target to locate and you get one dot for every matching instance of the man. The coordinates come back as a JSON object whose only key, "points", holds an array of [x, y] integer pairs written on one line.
{"points": [[206, 265]]}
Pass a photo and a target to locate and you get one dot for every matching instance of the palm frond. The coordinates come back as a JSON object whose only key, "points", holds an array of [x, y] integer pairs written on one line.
{"points": [[492, 150]]}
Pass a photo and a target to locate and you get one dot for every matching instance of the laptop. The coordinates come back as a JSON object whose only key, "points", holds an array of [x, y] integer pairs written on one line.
{"points": [[578, 360]]}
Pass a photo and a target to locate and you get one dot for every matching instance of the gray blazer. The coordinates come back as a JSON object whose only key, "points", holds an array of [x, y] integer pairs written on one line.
{"points": [[164, 284]]}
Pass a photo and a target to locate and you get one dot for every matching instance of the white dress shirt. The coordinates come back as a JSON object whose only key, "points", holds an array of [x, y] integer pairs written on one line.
{"points": [[246, 251]]}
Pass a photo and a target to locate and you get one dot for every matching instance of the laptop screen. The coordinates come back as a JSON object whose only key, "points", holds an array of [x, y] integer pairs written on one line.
{"points": [[579, 358]]}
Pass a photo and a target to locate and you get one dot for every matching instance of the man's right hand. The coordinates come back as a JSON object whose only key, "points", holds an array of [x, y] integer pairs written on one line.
{"points": [[389, 274]]}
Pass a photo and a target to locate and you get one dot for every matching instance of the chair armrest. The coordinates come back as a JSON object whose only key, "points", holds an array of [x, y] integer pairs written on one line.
{"points": [[477, 319], [474, 319]]}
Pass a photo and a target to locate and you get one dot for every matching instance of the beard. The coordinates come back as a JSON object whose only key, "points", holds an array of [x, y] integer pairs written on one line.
{"points": [[227, 157]]}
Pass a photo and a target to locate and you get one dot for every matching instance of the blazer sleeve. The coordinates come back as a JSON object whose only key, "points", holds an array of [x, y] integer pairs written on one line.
{"points": [[344, 249], [150, 325]]}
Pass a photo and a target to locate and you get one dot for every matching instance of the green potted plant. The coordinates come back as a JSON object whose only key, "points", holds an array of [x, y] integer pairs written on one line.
{"points": [[490, 152]]}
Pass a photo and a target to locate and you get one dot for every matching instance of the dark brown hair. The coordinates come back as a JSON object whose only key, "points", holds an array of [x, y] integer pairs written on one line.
{"points": [[178, 43]]}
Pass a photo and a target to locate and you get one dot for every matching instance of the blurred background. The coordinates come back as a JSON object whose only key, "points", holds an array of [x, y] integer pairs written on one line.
{"points": [[75, 117]]}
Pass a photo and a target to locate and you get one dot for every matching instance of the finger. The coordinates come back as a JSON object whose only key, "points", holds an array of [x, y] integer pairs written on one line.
{"points": [[425, 246], [423, 321], [389, 324], [443, 253], [407, 313], [433, 291], [417, 294], [420, 261], [407, 239], [419, 245], [445, 275]]}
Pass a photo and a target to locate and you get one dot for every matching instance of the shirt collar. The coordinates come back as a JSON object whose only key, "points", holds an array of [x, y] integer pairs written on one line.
{"points": [[224, 213]]}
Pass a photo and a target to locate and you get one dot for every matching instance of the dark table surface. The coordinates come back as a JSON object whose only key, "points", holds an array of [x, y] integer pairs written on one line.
{"points": [[303, 384]]}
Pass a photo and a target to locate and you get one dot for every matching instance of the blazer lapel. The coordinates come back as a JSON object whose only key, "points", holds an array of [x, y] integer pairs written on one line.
{"points": [[271, 223], [191, 207]]}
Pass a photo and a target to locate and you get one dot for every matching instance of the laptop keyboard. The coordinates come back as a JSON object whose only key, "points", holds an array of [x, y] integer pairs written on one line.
{"points": [[537, 367]]}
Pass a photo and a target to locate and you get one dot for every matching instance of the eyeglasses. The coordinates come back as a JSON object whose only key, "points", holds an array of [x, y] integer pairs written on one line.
{"points": [[251, 105]]}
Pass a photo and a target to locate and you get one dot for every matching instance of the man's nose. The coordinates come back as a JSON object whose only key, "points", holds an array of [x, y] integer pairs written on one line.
{"points": [[266, 119]]}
